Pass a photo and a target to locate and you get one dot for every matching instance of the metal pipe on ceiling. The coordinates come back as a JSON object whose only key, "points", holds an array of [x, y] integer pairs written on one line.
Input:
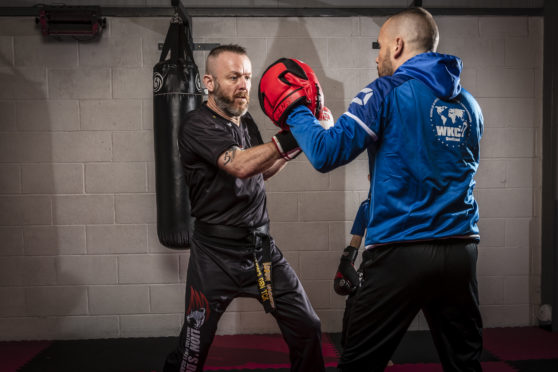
{"points": [[284, 12]]}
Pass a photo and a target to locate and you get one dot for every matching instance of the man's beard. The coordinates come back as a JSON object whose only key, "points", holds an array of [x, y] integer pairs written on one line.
{"points": [[229, 104], [385, 68]]}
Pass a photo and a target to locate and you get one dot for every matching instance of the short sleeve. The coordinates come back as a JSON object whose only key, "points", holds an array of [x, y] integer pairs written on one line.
{"points": [[253, 131], [205, 138]]}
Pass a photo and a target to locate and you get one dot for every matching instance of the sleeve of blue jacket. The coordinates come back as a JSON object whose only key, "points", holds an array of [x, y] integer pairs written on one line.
{"points": [[327, 149], [353, 132], [361, 219]]}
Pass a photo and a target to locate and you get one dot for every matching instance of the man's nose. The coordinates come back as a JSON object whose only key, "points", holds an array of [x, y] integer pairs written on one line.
{"points": [[243, 83]]}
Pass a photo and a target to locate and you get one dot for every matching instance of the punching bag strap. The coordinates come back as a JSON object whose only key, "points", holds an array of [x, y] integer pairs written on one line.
{"points": [[182, 16], [178, 41], [171, 41], [186, 40]]}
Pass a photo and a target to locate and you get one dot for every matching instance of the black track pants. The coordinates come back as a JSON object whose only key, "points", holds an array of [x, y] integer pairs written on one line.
{"points": [[399, 281], [220, 270]]}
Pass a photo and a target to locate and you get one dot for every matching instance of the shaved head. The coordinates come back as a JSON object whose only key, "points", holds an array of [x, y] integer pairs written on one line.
{"points": [[404, 35], [416, 27], [215, 52]]}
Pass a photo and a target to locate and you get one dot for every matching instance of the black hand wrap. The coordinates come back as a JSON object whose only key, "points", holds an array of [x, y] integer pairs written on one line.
{"points": [[346, 279], [286, 144]]}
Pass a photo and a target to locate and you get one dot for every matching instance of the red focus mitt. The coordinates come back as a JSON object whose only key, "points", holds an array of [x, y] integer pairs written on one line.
{"points": [[285, 84]]}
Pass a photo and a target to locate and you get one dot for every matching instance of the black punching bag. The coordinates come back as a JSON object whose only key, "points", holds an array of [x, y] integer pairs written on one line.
{"points": [[176, 91]]}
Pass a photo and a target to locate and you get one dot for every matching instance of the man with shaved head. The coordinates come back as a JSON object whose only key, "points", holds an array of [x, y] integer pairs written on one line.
{"points": [[422, 132], [410, 32]]}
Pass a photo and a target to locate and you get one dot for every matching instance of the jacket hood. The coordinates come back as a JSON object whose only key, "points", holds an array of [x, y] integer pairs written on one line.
{"points": [[440, 72]]}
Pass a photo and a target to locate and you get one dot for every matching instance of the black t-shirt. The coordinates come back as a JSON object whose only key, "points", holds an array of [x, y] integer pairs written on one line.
{"points": [[217, 197]]}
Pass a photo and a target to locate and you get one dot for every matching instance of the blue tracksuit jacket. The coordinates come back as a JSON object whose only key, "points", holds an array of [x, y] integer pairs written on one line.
{"points": [[361, 219], [422, 131]]}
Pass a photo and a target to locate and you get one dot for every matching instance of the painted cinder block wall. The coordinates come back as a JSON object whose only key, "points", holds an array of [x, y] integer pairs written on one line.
{"points": [[79, 256]]}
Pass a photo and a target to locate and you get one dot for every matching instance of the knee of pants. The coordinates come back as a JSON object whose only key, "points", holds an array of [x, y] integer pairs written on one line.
{"points": [[310, 326], [301, 323]]}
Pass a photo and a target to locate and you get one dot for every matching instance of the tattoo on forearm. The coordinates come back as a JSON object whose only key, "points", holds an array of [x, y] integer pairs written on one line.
{"points": [[229, 155]]}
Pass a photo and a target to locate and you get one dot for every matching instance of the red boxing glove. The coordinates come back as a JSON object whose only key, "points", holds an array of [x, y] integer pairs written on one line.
{"points": [[285, 84]]}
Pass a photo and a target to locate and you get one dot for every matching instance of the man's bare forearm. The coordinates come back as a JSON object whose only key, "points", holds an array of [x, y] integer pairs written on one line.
{"points": [[274, 169], [355, 241], [246, 163]]}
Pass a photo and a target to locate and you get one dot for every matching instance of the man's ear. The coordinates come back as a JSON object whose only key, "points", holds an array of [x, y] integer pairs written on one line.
{"points": [[398, 47], [208, 81]]}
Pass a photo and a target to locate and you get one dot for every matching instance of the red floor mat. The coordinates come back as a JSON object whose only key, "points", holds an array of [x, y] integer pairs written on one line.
{"points": [[527, 349], [15, 354], [263, 351]]}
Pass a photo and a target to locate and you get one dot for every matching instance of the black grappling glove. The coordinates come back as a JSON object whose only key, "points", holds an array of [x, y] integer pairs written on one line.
{"points": [[286, 144], [346, 279]]}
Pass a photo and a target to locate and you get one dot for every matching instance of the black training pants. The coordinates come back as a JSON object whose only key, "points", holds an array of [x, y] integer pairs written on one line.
{"points": [[221, 270], [400, 280]]}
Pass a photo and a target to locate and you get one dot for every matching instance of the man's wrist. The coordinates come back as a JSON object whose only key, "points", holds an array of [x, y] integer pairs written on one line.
{"points": [[286, 145]]}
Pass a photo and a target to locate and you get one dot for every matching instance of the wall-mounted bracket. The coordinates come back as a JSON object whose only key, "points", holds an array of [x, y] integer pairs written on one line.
{"points": [[77, 22], [198, 46]]}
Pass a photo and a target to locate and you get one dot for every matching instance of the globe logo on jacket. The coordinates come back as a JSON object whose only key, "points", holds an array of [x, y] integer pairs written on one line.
{"points": [[450, 122]]}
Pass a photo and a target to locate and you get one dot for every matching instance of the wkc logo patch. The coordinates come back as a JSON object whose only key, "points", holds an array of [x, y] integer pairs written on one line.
{"points": [[450, 123]]}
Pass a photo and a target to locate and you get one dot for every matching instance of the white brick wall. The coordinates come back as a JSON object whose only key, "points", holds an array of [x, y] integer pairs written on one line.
{"points": [[79, 255]]}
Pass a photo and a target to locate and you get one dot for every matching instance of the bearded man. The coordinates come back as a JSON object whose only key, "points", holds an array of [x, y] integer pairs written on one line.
{"points": [[232, 254]]}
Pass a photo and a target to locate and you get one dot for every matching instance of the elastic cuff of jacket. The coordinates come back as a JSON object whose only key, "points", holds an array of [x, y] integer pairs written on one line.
{"points": [[300, 109]]}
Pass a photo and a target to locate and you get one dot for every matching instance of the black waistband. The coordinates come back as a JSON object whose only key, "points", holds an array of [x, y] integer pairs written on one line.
{"points": [[263, 271], [229, 232], [442, 241]]}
